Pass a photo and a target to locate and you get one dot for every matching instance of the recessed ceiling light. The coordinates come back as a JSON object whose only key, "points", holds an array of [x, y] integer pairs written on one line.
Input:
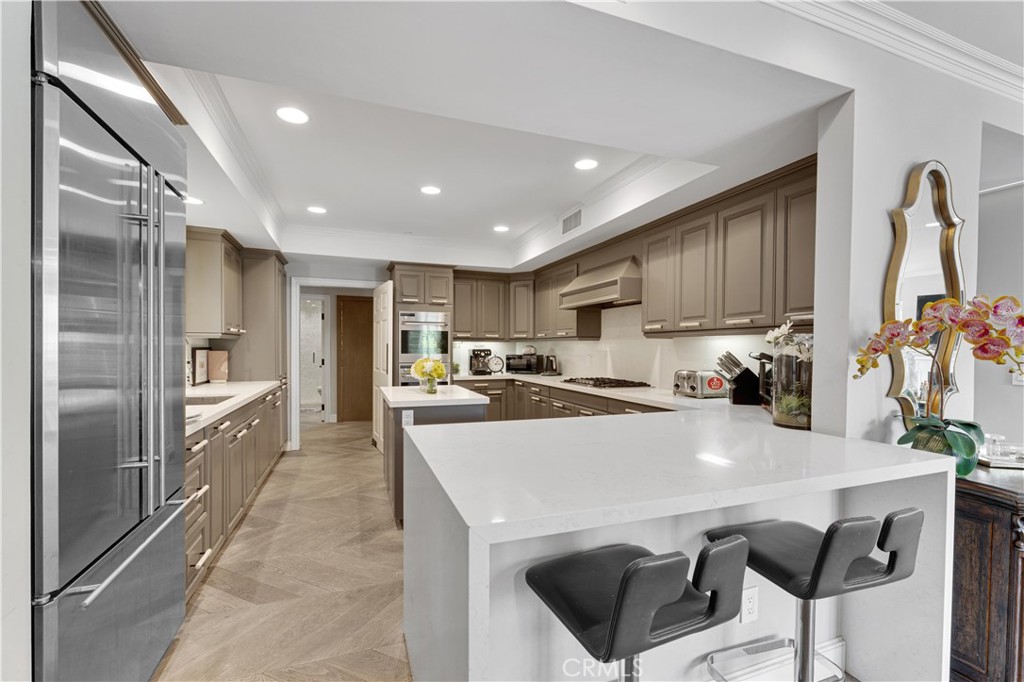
{"points": [[585, 164], [430, 189], [316, 209], [292, 115], [501, 228], [193, 200]]}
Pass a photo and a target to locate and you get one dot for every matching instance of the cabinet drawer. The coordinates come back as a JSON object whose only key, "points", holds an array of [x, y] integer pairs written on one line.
{"points": [[197, 555], [196, 479], [484, 385], [534, 389], [584, 400]]}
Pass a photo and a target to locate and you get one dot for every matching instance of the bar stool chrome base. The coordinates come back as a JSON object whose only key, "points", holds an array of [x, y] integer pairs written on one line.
{"points": [[629, 669], [804, 654]]}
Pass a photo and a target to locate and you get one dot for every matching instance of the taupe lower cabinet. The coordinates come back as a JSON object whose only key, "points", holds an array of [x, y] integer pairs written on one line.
{"points": [[227, 462], [213, 284], [481, 309], [422, 284], [520, 399]]}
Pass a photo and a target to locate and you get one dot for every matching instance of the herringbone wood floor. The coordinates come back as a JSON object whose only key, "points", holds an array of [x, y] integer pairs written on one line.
{"points": [[310, 585]]}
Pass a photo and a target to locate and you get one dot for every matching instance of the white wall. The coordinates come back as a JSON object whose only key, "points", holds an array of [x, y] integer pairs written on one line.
{"points": [[15, 342], [998, 404]]}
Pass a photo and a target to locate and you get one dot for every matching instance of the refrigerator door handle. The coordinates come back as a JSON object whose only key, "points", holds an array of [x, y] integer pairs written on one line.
{"points": [[158, 208], [150, 338], [95, 591]]}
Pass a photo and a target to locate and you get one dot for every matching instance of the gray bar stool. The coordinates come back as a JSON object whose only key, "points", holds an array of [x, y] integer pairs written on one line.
{"points": [[621, 600], [812, 565]]}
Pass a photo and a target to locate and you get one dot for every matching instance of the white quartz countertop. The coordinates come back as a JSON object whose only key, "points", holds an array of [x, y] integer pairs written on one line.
{"points": [[240, 392], [652, 397], [411, 396], [519, 479]]}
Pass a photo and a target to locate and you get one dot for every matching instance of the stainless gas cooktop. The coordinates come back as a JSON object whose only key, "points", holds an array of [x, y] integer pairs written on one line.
{"points": [[605, 382]]}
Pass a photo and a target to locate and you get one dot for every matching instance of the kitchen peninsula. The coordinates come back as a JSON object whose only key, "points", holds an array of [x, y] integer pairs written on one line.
{"points": [[485, 502], [408, 405]]}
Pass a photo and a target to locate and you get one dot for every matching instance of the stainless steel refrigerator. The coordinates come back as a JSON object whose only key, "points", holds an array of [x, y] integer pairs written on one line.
{"points": [[108, 375]]}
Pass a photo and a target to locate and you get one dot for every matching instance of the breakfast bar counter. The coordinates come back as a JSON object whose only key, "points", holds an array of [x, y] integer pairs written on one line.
{"points": [[485, 502]]}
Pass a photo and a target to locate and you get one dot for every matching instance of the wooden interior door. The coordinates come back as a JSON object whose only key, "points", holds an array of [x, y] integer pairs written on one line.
{"points": [[383, 348], [355, 358]]}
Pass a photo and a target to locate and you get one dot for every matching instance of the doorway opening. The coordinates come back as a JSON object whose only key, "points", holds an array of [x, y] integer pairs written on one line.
{"points": [[314, 347]]}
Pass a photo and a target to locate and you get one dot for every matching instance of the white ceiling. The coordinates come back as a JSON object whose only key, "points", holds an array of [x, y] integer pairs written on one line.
{"points": [[365, 163], [994, 26]]}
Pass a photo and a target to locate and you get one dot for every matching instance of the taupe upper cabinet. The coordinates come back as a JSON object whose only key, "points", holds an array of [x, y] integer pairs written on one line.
{"points": [[695, 274], [544, 306], [745, 260], [794, 252], [260, 354], [565, 320], [422, 284], [464, 314], [659, 281], [213, 284], [492, 310], [521, 302]]}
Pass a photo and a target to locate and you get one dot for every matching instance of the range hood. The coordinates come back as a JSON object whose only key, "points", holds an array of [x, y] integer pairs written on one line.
{"points": [[617, 283]]}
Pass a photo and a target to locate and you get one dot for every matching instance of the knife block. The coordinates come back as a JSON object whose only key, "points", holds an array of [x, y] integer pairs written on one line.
{"points": [[745, 389]]}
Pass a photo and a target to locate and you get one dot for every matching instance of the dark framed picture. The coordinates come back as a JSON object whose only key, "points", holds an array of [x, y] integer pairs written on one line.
{"points": [[200, 366]]}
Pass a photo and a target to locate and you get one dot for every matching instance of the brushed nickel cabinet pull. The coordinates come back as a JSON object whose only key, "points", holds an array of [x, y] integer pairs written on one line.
{"points": [[745, 320], [409, 299], [480, 385], [653, 326], [199, 493], [277, 403], [586, 413], [689, 324], [541, 335], [203, 559], [534, 398], [254, 423], [519, 336], [800, 316], [562, 333], [554, 404], [200, 445], [223, 426], [494, 392], [534, 389], [241, 433], [491, 336], [629, 411]]}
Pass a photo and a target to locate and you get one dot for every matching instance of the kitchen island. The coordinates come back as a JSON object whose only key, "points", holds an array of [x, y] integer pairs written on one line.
{"points": [[485, 502], [408, 405]]}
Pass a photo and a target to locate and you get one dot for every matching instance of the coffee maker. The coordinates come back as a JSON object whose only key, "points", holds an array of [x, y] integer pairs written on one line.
{"points": [[478, 358]]}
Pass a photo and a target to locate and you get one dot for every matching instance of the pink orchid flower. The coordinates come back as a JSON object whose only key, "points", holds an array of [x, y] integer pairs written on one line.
{"points": [[975, 331], [1015, 331], [993, 349], [895, 333], [1005, 309]]}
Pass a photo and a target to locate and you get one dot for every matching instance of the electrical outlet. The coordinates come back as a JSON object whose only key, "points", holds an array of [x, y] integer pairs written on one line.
{"points": [[1018, 379], [407, 417], [748, 606]]}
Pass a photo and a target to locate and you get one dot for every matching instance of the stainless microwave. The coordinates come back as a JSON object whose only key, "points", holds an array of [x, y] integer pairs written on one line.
{"points": [[423, 333]]}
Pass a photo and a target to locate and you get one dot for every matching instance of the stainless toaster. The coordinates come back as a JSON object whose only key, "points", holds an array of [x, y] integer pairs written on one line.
{"points": [[700, 383]]}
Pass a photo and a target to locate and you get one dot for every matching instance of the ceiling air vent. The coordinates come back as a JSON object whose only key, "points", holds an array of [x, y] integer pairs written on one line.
{"points": [[572, 221]]}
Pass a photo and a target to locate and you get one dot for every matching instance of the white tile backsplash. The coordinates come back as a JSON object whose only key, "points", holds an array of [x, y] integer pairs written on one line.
{"points": [[623, 352]]}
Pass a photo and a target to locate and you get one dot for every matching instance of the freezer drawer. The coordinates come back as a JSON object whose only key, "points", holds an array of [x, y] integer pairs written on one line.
{"points": [[125, 631]]}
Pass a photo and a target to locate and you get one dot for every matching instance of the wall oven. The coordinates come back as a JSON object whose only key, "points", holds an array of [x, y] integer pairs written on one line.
{"points": [[423, 333]]}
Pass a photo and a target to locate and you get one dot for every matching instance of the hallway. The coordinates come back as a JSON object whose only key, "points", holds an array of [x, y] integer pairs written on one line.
{"points": [[310, 586]]}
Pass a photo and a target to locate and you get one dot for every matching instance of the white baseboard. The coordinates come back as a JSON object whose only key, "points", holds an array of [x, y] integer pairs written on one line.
{"points": [[332, 418], [780, 668]]}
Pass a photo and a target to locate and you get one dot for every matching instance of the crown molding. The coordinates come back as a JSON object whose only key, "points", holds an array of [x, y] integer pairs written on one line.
{"points": [[213, 99], [880, 25]]}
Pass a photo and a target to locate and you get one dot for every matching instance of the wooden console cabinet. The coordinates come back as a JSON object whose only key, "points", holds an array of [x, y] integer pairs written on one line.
{"points": [[988, 577]]}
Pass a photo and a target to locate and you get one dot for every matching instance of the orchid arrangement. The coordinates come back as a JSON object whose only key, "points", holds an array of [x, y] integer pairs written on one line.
{"points": [[995, 329]]}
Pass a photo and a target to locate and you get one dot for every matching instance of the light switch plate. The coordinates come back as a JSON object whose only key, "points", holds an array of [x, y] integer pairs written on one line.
{"points": [[1018, 379], [407, 416]]}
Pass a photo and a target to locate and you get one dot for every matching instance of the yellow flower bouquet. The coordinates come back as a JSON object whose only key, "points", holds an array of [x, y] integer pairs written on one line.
{"points": [[429, 371]]}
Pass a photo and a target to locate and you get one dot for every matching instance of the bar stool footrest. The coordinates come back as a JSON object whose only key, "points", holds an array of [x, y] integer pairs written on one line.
{"points": [[836, 674]]}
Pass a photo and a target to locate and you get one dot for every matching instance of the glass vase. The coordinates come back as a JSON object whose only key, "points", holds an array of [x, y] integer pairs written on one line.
{"points": [[791, 381], [428, 385]]}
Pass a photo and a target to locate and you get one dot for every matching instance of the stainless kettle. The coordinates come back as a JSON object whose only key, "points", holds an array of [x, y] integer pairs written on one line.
{"points": [[550, 366]]}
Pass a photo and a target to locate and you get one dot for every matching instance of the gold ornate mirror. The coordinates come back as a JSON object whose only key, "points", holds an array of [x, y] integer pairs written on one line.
{"points": [[925, 267]]}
